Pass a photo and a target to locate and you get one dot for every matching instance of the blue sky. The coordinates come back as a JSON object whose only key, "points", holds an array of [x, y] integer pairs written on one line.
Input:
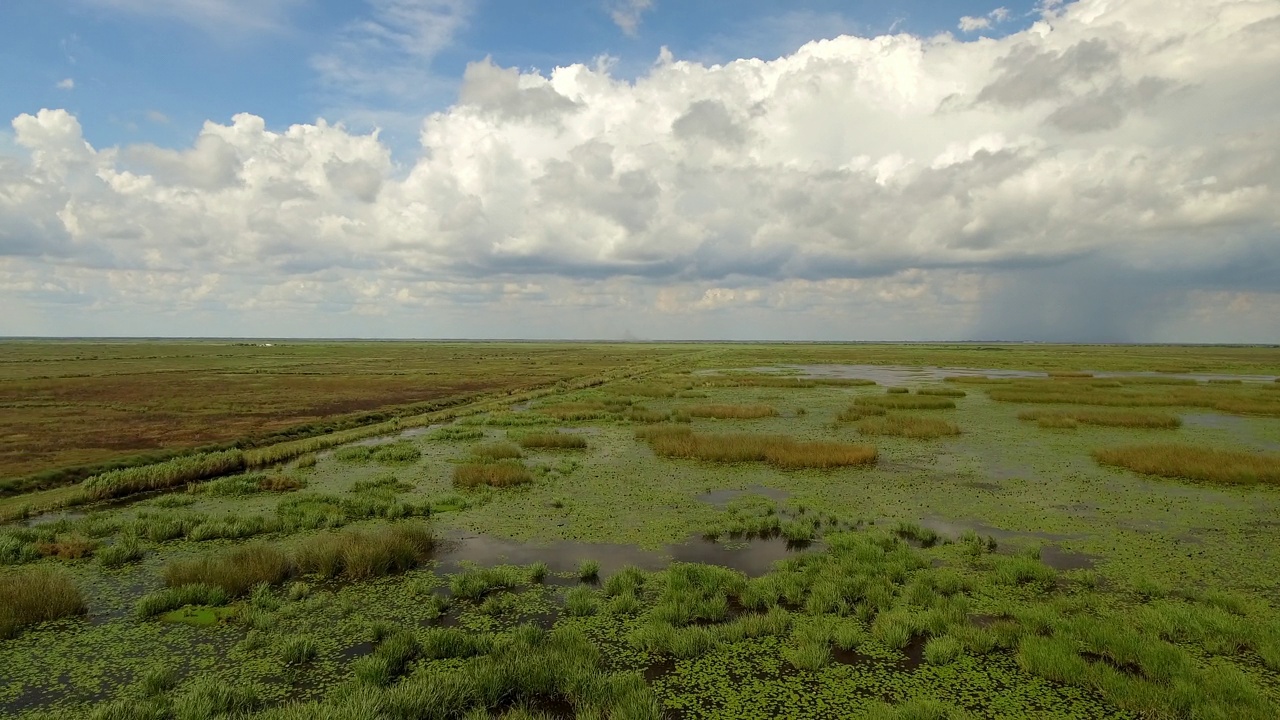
{"points": [[1086, 170], [155, 70]]}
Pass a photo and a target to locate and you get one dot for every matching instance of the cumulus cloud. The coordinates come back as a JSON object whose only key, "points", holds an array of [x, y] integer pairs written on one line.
{"points": [[1108, 173], [971, 23], [66, 84], [626, 14]]}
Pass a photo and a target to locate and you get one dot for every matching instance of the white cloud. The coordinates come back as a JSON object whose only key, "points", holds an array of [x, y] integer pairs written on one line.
{"points": [[1108, 175], [626, 14], [970, 23], [66, 84], [157, 117]]}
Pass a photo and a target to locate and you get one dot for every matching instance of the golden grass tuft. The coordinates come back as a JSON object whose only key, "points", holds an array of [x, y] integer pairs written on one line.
{"points": [[1142, 392], [1189, 462], [236, 571], [853, 413], [908, 426], [69, 547], [34, 595], [552, 440], [733, 412], [496, 474], [778, 450], [1104, 418], [906, 402]]}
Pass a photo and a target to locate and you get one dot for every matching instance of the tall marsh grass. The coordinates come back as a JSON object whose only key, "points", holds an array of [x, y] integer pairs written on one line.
{"points": [[778, 450], [552, 440], [1189, 462], [352, 554], [167, 474], [908, 426], [1142, 392], [494, 474], [34, 595], [905, 402]]}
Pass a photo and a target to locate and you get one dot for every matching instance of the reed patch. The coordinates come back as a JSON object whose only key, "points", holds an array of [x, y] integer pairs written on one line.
{"points": [[778, 450], [732, 412], [1190, 462], [34, 595], [909, 426]]}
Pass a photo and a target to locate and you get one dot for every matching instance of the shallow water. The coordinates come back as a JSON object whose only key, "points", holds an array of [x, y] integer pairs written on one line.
{"points": [[754, 557], [891, 375]]}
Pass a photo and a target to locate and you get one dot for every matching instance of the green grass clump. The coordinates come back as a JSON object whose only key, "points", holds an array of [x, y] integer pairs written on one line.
{"points": [[897, 391], [580, 602], [906, 402], [298, 650], [158, 476], [1189, 462], [942, 650], [162, 601], [34, 595], [588, 570], [474, 582], [402, 451], [908, 426], [808, 654], [123, 552], [214, 698], [493, 474], [553, 440], [457, 432], [917, 532], [942, 392], [732, 412], [639, 414], [16, 550], [250, 483]]}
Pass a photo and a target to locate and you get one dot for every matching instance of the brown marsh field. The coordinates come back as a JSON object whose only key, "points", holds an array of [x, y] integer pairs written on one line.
{"points": [[203, 529]]}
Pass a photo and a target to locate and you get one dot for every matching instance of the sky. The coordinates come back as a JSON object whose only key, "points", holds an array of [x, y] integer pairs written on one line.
{"points": [[1095, 171]]}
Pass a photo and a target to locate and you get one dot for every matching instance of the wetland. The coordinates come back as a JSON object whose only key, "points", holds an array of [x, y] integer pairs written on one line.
{"points": [[651, 531]]}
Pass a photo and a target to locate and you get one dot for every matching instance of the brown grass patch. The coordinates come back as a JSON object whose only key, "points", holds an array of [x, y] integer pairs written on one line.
{"points": [[1189, 462], [71, 547], [908, 426], [496, 474], [1104, 418], [281, 482], [906, 402], [732, 412], [645, 415], [1057, 422], [34, 595], [778, 450], [553, 440]]}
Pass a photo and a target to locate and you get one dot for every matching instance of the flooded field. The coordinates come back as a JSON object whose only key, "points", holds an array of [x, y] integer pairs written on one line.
{"points": [[698, 543]]}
